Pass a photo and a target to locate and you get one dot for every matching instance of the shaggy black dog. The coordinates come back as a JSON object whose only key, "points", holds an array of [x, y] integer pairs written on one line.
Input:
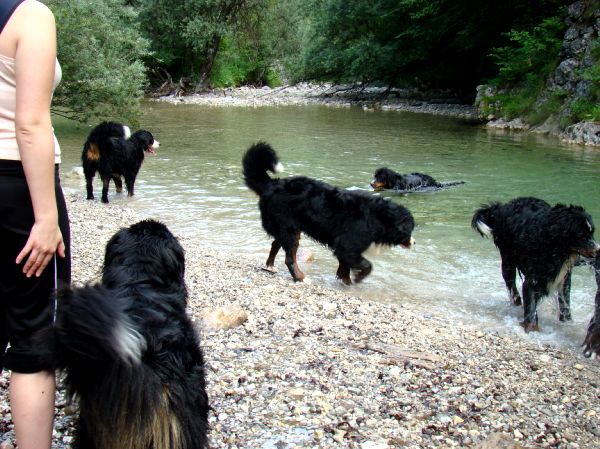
{"points": [[592, 340], [347, 222], [114, 153], [131, 356], [542, 243], [385, 178]]}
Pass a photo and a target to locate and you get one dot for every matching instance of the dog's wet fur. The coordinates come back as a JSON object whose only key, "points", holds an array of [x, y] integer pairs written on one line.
{"points": [[348, 222], [131, 356]]}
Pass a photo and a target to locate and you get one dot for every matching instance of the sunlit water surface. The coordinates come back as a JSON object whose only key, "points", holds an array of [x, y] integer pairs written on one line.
{"points": [[194, 185]]}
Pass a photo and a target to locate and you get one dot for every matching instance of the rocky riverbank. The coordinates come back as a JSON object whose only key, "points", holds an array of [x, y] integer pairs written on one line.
{"points": [[368, 98], [302, 366], [373, 98]]}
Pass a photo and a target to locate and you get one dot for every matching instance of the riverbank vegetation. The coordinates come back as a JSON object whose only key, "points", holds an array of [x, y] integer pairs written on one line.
{"points": [[114, 51]]}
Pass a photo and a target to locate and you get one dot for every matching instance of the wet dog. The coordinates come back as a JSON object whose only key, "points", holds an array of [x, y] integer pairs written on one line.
{"points": [[387, 179], [348, 222], [130, 354], [115, 153], [541, 242]]}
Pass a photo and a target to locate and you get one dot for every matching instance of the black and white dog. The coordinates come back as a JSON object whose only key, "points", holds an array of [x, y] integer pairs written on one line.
{"points": [[348, 222], [115, 153], [129, 351], [542, 243], [387, 179]]}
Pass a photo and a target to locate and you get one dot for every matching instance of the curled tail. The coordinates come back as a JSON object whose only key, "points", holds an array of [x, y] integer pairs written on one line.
{"points": [[483, 220], [258, 160], [92, 327]]}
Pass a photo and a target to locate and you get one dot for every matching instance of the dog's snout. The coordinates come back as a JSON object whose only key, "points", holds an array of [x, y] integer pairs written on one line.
{"points": [[411, 243]]}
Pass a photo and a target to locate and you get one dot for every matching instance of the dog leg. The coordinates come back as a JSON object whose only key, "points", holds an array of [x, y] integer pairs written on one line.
{"points": [[275, 247], [290, 259], [363, 269], [509, 271], [105, 183], [118, 183], [355, 262], [89, 187], [129, 183], [591, 344], [343, 273], [531, 296], [564, 299]]}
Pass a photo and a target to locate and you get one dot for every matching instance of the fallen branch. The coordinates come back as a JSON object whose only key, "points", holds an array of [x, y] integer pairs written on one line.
{"points": [[400, 355]]}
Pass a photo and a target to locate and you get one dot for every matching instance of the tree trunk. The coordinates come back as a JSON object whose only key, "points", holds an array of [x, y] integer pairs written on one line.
{"points": [[211, 53]]}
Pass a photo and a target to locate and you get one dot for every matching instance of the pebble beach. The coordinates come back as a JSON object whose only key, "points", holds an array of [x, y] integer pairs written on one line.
{"points": [[304, 366]]}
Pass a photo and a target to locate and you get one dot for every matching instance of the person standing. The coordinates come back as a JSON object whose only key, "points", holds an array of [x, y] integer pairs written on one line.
{"points": [[34, 225]]}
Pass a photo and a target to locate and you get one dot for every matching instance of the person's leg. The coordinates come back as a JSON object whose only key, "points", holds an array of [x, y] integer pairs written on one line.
{"points": [[32, 406]]}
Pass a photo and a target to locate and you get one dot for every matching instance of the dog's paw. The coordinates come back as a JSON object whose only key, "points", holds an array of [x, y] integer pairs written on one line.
{"points": [[529, 327]]}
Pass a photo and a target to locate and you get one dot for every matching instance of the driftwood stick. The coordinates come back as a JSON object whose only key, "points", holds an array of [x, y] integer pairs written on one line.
{"points": [[400, 355]]}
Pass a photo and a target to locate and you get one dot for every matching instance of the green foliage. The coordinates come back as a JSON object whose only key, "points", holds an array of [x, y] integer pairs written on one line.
{"points": [[532, 55], [430, 43], [236, 64], [589, 109], [523, 68], [186, 34], [100, 50], [585, 110]]}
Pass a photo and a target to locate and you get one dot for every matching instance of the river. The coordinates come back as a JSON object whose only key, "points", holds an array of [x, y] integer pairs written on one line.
{"points": [[194, 185]]}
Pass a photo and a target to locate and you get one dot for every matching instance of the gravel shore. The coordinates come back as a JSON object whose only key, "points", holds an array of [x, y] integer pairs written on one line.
{"points": [[369, 98], [302, 366]]}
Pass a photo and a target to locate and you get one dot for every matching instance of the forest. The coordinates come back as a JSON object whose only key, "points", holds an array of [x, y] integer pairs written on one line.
{"points": [[113, 52]]}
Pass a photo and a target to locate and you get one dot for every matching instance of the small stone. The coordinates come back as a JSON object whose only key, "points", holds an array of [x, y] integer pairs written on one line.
{"points": [[456, 420]]}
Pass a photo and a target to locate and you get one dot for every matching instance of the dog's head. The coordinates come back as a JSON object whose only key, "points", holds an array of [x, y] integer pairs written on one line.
{"points": [[384, 178], [144, 252], [146, 140], [575, 228], [398, 224]]}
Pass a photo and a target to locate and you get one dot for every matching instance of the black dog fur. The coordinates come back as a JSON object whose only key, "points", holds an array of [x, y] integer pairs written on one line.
{"points": [[387, 179], [110, 151], [591, 343], [542, 243], [129, 351], [347, 222]]}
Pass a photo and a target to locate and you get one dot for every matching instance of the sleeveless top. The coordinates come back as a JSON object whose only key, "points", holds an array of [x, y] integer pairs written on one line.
{"points": [[9, 148]]}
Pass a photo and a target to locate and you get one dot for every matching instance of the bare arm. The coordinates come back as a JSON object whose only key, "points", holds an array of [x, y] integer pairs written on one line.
{"points": [[35, 58]]}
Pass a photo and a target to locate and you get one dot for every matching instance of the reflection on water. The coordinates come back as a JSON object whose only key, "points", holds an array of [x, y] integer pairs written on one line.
{"points": [[195, 186]]}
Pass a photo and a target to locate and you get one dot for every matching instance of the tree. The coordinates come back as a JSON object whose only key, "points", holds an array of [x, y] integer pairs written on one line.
{"points": [[186, 34], [100, 49], [432, 43]]}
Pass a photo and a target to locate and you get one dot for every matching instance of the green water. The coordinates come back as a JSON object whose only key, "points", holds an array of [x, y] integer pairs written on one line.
{"points": [[195, 186]]}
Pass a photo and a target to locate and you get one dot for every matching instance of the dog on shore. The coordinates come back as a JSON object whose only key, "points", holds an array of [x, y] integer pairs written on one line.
{"points": [[387, 179], [348, 222], [129, 352], [542, 243], [116, 154]]}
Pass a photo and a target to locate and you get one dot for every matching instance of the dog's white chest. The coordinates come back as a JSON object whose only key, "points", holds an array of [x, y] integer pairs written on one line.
{"points": [[564, 270]]}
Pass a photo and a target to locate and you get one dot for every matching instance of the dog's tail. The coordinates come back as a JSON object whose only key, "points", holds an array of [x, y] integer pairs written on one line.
{"points": [[258, 160], [483, 219], [91, 327]]}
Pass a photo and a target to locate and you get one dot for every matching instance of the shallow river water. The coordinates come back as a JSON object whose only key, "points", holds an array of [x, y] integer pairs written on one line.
{"points": [[194, 185]]}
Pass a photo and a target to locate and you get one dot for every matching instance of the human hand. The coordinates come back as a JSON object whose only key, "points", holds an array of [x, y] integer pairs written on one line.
{"points": [[45, 239]]}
